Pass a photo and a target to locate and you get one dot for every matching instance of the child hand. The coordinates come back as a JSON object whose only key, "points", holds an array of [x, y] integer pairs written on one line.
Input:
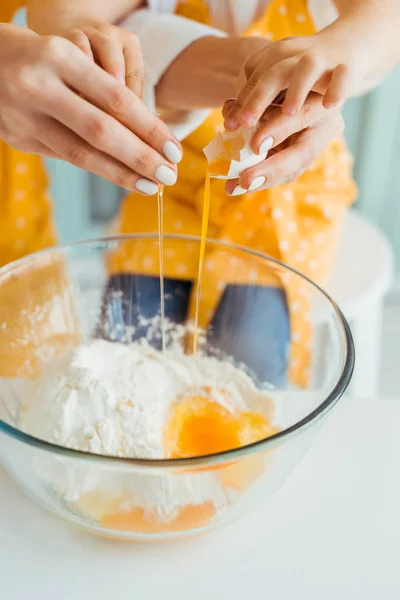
{"points": [[294, 142], [298, 65], [116, 50]]}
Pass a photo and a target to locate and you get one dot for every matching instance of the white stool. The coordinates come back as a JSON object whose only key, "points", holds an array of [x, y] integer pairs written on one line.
{"points": [[362, 276]]}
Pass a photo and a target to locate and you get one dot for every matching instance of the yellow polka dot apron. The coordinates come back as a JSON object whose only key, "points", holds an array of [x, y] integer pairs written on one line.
{"points": [[296, 223], [25, 210]]}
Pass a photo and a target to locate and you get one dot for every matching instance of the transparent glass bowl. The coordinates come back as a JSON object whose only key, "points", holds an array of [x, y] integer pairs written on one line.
{"points": [[51, 301]]}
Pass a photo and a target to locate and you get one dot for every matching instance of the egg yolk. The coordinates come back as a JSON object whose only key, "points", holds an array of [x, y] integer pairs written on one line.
{"points": [[141, 521], [199, 426]]}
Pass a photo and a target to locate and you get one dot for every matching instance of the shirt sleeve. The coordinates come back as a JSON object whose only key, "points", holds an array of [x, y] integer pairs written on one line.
{"points": [[163, 37]]}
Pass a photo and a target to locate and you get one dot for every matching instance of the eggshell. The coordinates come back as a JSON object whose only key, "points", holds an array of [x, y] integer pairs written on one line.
{"points": [[229, 153]]}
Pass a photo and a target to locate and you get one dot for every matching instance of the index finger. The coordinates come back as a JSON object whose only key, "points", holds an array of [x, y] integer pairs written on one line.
{"points": [[279, 127], [134, 67], [114, 98], [260, 90]]}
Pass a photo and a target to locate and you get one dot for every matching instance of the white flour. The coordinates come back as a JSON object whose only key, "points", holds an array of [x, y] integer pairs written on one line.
{"points": [[114, 399]]}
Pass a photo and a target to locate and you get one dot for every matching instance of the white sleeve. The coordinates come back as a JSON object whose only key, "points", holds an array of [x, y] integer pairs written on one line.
{"points": [[163, 37]]}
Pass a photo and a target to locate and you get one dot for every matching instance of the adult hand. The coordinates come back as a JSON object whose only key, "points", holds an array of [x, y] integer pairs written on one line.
{"points": [[115, 49], [294, 142], [54, 100]]}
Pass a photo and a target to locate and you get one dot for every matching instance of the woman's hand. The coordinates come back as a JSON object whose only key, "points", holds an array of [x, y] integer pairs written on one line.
{"points": [[294, 142], [114, 49], [54, 100]]}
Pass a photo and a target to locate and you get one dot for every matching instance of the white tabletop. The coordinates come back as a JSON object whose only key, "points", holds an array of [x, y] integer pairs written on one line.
{"points": [[333, 531]]}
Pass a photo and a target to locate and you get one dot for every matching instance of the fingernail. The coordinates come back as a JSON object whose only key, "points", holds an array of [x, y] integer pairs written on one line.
{"points": [[166, 176], [238, 190], [329, 105], [120, 78], [257, 183], [248, 118], [172, 152], [266, 145], [146, 186], [231, 123]]}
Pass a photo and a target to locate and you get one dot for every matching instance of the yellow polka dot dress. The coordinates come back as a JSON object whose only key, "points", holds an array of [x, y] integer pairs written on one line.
{"points": [[297, 223]]}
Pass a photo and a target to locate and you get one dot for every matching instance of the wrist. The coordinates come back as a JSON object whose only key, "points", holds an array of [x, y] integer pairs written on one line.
{"points": [[360, 40]]}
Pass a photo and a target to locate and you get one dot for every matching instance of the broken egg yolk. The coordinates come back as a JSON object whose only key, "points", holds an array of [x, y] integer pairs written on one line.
{"points": [[199, 426]]}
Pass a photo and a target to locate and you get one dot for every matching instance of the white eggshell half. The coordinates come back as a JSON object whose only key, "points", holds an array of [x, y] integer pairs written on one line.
{"points": [[216, 148]]}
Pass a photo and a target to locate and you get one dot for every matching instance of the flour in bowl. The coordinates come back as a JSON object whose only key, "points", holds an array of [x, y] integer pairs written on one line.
{"points": [[114, 399]]}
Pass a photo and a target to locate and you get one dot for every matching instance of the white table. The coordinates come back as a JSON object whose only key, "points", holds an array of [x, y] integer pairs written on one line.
{"points": [[341, 539]]}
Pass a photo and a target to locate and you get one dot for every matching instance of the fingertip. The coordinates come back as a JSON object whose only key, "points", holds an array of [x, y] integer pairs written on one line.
{"points": [[231, 123], [227, 107]]}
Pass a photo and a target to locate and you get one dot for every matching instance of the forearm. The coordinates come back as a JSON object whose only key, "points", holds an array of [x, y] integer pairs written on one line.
{"points": [[48, 16], [375, 26], [205, 73]]}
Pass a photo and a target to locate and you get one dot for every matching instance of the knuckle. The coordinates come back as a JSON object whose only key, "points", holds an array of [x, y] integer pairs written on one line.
{"points": [[24, 77], [55, 48], [310, 61], [77, 156], [251, 84], [119, 99], [97, 131], [141, 163], [276, 70], [136, 75], [123, 179], [78, 37], [107, 29], [75, 34], [35, 81], [306, 119], [155, 135], [108, 41]]}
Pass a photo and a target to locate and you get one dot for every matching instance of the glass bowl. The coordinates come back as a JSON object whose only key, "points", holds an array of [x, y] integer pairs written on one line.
{"points": [[108, 288]]}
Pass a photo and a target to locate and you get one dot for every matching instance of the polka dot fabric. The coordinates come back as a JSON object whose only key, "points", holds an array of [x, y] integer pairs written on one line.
{"points": [[297, 223], [25, 209]]}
